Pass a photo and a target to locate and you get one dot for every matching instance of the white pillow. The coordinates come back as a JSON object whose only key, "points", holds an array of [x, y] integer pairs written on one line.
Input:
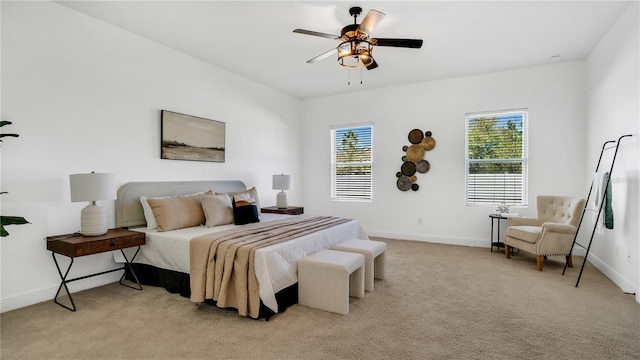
{"points": [[217, 210], [244, 197], [246, 194], [148, 213]]}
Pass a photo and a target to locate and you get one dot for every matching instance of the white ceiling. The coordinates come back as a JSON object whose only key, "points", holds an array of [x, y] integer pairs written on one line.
{"points": [[254, 39]]}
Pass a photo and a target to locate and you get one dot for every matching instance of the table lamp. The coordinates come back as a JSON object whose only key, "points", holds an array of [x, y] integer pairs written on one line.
{"points": [[282, 183], [92, 187]]}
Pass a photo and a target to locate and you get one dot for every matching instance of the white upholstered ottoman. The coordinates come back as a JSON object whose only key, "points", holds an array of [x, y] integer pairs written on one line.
{"points": [[327, 278], [374, 258]]}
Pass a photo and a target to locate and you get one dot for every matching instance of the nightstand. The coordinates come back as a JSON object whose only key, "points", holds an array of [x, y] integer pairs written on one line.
{"points": [[75, 245], [291, 210]]}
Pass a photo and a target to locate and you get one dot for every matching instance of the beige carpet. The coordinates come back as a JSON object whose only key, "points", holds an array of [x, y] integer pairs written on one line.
{"points": [[438, 302]]}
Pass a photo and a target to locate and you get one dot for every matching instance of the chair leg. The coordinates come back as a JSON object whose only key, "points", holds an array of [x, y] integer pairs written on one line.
{"points": [[507, 251], [569, 261], [539, 261]]}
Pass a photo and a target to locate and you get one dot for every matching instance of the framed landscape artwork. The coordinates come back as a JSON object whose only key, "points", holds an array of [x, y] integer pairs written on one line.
{"points": [[186, 137]]}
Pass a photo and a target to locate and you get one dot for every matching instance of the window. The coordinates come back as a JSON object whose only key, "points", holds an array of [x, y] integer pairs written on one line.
{"points": [[351, 158], [496, 158]]}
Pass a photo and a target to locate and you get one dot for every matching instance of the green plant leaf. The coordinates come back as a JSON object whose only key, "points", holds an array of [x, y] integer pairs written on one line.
{"points": [[10, 220]]}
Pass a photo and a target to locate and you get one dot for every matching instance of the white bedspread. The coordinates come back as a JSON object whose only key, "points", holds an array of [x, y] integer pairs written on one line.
{"points": [[276, 265]]}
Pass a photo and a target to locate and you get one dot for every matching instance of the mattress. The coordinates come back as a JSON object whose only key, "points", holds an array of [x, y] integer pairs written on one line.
{"points": [[275, 266]]}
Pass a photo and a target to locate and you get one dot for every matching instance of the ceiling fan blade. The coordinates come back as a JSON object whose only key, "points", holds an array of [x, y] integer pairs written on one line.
{"points": [[315, 33], [373, 65], [370, 21], [322, 56], [405, 43]]}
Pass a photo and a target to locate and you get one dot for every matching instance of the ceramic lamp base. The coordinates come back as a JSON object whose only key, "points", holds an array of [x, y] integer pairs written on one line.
{"points": [[281, 200], [93, 221]]}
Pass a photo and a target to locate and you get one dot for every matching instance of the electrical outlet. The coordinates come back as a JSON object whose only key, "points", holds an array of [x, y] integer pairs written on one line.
{"points": [[419, 221]]}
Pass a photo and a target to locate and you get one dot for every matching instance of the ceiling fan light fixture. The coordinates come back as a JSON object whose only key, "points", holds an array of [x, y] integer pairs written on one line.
{"points": [[356, 46], [355, 54]]}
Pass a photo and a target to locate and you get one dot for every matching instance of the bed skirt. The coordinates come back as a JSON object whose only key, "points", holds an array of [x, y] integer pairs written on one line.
{"points": [[179, 283]]}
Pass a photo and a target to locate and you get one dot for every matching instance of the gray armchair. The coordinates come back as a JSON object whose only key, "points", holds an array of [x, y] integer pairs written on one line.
{"points": [[551, 233]]}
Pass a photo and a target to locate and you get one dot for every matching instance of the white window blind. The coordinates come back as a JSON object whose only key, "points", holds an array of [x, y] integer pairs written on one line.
{"points": [[351, 163], [496, 158]]}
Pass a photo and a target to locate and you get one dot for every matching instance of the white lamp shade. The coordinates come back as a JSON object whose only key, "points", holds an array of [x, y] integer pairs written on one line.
{"points": [[282, 182], [92, 187]]}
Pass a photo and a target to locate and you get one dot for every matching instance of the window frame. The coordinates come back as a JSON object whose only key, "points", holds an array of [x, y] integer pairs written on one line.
{"points": [[336, 194], [505, 193]]}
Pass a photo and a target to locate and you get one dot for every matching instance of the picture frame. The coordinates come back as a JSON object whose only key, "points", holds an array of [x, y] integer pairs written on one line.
{"points": [[187, 137]]}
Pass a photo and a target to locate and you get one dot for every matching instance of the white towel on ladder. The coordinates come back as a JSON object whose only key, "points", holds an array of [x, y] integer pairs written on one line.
{"points": [[599, 190], [599, 187]]}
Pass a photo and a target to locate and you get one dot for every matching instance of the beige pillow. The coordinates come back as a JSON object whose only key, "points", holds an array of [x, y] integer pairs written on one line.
{"points": [[177, 212], [253, 193], [217, 210]]}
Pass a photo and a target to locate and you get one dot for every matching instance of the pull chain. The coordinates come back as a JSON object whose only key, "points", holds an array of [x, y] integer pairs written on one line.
{"points": [[349, 77]]}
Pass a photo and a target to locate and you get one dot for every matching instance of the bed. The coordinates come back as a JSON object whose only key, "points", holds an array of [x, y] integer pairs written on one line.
{"points": [[166, 259]]}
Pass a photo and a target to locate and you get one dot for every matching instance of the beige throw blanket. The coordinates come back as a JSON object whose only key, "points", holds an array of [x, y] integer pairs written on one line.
{"points": [[222, 263]]}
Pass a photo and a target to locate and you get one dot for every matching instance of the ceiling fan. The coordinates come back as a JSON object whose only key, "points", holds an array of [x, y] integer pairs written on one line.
{"points": [[356, 47]]}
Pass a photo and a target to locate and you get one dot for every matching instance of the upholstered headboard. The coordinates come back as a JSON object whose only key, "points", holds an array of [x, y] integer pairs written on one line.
{"points": [[129, 210]]}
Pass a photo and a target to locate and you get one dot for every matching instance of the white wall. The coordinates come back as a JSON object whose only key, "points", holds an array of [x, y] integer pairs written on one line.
{"points": [[613, 109], [554, 95], [84, 95]]}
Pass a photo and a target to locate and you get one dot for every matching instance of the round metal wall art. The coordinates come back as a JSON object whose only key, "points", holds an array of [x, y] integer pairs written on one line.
{"points": [[422, 166], [415, 153], [428, 143], [415, 136], [404, 183], [408, 168], [413, 161]]}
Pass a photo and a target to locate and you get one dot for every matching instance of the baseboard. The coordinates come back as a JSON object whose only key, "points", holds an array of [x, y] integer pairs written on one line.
{"points": [[47, 294], [624, 284], [577, 251], [430, 238]]}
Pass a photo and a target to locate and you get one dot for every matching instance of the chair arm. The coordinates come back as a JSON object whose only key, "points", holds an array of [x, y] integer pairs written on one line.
{"points": [[556, 239], [558, 228], [523, 221]]}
